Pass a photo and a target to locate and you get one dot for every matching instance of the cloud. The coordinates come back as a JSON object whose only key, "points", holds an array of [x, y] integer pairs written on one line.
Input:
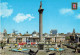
{"points": [[78, 16], [66, 11], [21, 17], [4, 10]]}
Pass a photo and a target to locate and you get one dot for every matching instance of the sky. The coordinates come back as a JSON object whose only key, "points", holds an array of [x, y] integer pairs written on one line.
{"points": [[23, 16]]}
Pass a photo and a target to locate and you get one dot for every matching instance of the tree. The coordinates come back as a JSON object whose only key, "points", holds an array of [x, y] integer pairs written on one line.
{"points": [[67, 37]]}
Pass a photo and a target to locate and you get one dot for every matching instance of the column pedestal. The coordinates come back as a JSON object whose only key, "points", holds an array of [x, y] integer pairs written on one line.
{"points": [[41, 50], [41, 46]]}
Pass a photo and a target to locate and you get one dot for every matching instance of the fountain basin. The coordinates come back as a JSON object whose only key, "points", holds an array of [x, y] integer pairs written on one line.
{"points": [[19, 50], [52, 49], [60, 49]]}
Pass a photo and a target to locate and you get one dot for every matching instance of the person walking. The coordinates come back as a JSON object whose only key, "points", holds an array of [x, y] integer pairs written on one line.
{"points": [[2, 44]]}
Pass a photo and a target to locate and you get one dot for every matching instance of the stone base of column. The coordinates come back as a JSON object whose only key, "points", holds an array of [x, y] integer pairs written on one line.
{"points": [[41, 50], [41, 46]]}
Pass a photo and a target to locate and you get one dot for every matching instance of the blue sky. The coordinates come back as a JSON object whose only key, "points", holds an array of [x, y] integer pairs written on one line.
{"points": [[22, 15]]}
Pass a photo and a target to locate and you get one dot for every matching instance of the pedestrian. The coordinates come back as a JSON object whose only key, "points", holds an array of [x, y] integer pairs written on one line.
{"points": [[2, 44]]}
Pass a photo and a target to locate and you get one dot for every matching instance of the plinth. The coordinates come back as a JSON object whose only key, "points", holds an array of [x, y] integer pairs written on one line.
{"points": [[41, 46], [41, 49]]}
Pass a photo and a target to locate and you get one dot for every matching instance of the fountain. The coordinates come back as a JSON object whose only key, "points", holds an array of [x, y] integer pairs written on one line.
{"points": [[19, 48], [56, 48]]}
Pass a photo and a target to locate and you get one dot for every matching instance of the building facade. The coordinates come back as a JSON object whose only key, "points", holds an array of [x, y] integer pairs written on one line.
{"points": [[54, 32], [29, 39]]}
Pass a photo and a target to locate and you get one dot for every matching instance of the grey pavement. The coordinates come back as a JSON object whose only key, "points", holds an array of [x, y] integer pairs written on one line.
{"points": [[7, 51]]}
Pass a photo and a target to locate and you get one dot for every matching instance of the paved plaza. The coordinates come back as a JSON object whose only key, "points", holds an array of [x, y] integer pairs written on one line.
{"points": [[7, 51]]}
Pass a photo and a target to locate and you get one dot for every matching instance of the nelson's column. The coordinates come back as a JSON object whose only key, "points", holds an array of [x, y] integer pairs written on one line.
{"points": [[40, 22], [41, 43]]}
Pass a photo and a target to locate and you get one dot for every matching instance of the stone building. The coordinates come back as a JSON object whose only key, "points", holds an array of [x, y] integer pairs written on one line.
{"points": [[34, 37], [54, 32], [29, 38], [35, 34], [1, 36], [55, 39], [75, 37]]}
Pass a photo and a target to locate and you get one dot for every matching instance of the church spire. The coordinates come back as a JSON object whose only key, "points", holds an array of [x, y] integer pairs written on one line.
{"points": [[73, 30]]}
